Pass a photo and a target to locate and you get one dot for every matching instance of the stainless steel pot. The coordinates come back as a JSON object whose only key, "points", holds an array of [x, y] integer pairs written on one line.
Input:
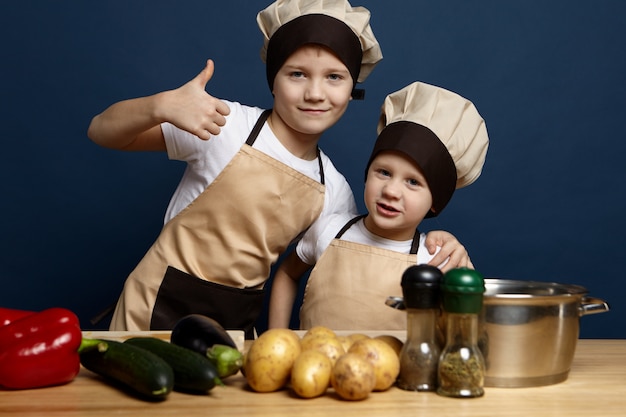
{"points": [[530, 330]]}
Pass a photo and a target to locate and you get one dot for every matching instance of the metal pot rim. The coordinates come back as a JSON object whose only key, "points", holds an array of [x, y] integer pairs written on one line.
{"points": [[515, 289]]}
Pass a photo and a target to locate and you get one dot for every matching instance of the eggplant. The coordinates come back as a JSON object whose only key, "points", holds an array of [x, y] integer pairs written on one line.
{"points": [[227, 360], [199, 333], [207, 337]]}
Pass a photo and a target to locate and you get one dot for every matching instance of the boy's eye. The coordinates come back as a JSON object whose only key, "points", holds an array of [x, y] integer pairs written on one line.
{"points": [[335, 77], [297, 74], [413, 182], [384, 172]]}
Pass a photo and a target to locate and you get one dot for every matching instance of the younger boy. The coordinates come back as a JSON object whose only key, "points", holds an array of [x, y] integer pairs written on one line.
{"points": [[431, 141]]}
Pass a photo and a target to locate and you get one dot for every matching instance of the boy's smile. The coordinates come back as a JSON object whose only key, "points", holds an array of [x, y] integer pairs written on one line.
{"points": [[386, 210]]}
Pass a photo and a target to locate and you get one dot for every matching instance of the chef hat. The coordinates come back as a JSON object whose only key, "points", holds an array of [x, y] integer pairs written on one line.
{"points": [[289, 24], [440, 131]]}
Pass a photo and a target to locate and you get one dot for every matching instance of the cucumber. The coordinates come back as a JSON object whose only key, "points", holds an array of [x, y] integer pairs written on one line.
{"points": [[135, 368], [192, 371]]}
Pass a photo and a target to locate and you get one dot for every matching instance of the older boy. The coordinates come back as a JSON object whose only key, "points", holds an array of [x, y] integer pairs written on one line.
{"points": [[255, 180]]}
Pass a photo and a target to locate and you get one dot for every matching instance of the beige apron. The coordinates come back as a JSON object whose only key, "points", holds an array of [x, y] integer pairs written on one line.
{"points": [[214, 257], [349, 284]]}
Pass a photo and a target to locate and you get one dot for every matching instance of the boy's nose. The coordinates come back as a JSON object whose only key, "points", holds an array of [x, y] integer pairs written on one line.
{"points": [[314, 91], [391, 189]]}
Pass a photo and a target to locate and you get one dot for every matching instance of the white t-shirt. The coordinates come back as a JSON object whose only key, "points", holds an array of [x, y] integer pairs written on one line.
{"points": [[206, 159], [310, 250]]}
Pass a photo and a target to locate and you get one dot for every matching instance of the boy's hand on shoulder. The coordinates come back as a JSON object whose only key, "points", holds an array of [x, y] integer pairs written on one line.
{"points": [[191, 108], [451, 250]]}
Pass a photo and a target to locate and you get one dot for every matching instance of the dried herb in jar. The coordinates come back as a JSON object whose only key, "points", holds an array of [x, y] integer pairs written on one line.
{"points": [[461, 365], [457, 373]]}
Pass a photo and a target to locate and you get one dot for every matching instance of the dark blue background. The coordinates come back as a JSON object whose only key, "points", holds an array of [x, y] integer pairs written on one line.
{"points": [[548, 77]]}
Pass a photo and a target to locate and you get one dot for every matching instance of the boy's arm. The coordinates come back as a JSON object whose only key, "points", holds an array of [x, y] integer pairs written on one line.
{"points": [[284, 289], [135, 124], [450, 248]]}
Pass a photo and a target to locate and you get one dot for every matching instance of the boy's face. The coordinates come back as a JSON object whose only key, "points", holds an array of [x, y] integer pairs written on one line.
{"points": [[311, 92], [397, 196]]}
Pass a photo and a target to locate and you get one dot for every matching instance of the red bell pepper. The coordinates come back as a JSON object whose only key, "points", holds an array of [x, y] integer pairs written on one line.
{"points": [[8, 315], [39, 349]]}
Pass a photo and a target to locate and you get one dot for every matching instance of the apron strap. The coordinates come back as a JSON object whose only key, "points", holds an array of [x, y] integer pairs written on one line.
{"points": [[416, 242], [348, 225], [258, 126], [319, 159], [414, 245]]}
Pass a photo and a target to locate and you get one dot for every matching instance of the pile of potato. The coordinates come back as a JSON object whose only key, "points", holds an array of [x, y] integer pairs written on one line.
{"points": [[352, 365]]}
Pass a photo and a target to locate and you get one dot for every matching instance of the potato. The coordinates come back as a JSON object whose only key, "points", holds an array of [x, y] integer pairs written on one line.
{"points": [[345, 342], [383, 358], [319, 330], [392, 341], [353, 377], [353, 337], [348, 340], [270, 359], [310, 374], [328, 345]]}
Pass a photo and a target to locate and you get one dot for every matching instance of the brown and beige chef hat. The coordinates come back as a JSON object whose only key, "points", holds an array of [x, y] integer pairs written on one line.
{"points": [[335, 24], [442, 132]]}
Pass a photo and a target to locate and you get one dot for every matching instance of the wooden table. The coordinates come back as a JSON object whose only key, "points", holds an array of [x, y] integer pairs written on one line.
{"points": [[596, 386]]}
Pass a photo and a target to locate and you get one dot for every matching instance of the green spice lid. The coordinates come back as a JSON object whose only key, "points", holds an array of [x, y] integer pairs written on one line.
{"points": [[462, 291]]}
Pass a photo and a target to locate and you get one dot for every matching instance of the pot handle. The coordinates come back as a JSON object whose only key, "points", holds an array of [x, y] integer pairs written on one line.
{"points": [[395, 302], [591, 305]]}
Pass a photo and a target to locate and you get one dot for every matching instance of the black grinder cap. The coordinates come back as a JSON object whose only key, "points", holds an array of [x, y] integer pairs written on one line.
{"points": [[421, 287]]}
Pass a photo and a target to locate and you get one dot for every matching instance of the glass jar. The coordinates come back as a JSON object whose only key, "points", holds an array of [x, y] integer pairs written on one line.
{"points": [[461, 369], [420, 354]]}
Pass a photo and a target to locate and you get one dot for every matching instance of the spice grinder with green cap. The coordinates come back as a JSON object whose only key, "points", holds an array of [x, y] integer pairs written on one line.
{"points": [[461, 371]]}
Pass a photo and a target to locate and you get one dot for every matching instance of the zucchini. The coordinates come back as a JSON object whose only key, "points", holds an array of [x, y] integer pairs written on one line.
{"points": [[192, 372], [133, 367]]}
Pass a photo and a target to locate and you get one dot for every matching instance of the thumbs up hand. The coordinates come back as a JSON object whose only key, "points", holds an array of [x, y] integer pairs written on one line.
{"points": [[192, 109]]}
